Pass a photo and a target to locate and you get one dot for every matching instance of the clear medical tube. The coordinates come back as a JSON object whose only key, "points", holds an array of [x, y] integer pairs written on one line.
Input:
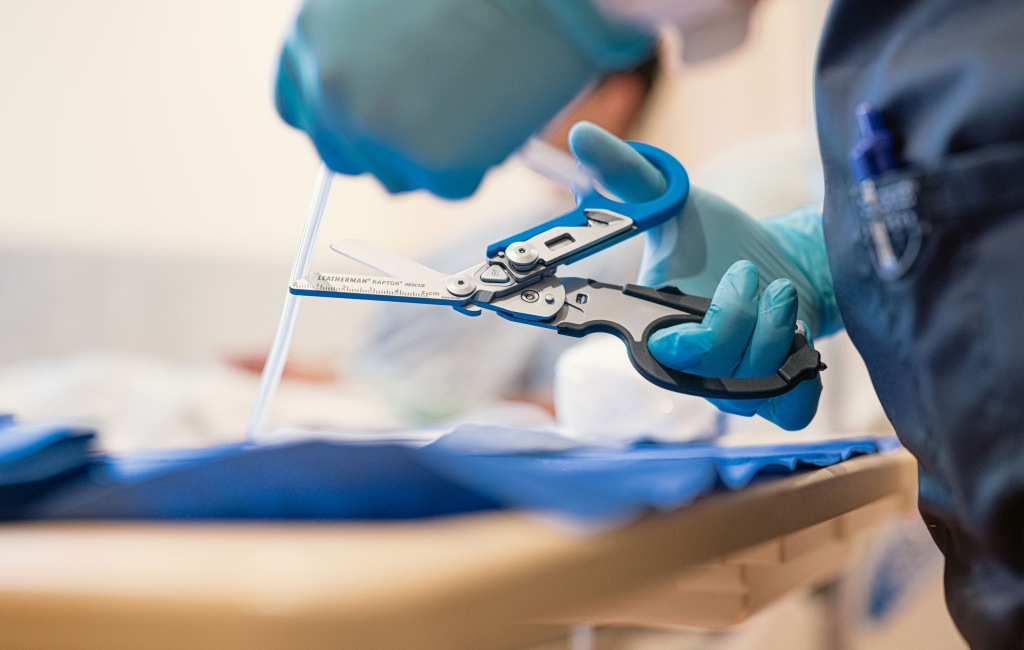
{"points": [[278, 355]]}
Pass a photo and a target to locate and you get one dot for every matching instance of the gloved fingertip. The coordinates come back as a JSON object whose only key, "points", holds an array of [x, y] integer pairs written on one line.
{"points": [[587, 139], [615, 164], [779, 303], [741, 266], [794, 410], [780, 290], [739, 282], [681, 346], [742, 407]]}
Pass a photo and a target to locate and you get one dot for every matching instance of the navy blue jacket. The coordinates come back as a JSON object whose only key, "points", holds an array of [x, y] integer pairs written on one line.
{"points": [[944, 340]]}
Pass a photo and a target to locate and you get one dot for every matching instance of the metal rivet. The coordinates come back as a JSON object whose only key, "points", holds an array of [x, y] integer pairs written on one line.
{"points": [[460, 285], [549, 298], [522, 255]]}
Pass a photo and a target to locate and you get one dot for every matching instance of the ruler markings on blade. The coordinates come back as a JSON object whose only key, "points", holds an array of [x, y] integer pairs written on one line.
{"points": [[356, 286]]}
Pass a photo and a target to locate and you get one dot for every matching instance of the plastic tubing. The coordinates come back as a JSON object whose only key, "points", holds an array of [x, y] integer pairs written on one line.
{"points": [[278, 355]]}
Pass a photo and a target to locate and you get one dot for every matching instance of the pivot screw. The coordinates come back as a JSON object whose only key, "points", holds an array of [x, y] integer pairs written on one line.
{"points": [[460, 285], [522, 255]]}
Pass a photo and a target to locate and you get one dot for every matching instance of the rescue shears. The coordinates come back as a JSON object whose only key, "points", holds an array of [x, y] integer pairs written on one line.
{"points": [[517, 279]]}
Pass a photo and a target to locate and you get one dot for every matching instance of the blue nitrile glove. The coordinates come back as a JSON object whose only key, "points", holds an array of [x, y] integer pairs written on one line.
{"points": [[430, 94], [763, 276]]}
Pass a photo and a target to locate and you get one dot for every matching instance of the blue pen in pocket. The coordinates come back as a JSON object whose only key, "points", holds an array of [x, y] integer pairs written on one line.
{"points": [[871, 158]]}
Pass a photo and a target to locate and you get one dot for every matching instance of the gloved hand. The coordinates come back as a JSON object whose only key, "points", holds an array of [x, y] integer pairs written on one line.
{"points": [[763, 277], [431, 93]]}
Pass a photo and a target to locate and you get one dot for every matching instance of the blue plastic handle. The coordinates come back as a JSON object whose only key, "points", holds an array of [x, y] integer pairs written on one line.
{"points": [[644, 215]]}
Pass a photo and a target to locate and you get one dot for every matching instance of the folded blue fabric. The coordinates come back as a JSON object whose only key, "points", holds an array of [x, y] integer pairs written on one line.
{"points": [[333, 480], [38, 451], [598, 485], [309, 480], [36, 457]]}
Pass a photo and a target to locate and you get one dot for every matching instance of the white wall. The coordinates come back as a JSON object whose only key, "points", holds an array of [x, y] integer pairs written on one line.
{"points": [[142, 163]]}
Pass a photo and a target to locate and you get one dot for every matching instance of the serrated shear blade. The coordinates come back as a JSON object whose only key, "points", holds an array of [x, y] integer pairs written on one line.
{"points": [[385, 261]]}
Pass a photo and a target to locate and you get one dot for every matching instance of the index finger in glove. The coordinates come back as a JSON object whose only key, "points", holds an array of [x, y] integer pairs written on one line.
{"points": [[617, 166]]}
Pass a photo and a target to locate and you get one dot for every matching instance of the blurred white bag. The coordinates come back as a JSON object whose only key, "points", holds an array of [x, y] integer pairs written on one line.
{"points": [[600, 397]]}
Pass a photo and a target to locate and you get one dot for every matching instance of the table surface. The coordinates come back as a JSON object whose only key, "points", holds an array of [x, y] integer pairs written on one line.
{"points": [[474, 581]]}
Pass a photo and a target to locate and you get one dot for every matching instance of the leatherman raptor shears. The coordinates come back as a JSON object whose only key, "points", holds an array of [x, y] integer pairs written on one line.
{"points": [[517, 280]]}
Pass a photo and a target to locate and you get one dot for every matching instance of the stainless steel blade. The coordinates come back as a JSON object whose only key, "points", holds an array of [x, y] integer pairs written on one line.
{"points": [[384, 260]]}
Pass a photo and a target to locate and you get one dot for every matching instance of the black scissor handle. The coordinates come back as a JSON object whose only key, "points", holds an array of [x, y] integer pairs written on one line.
{"points": [[802, 363]]}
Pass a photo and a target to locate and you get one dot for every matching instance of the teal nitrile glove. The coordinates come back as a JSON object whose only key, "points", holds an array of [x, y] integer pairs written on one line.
{"points": [[428, 94], [763, 277]]}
